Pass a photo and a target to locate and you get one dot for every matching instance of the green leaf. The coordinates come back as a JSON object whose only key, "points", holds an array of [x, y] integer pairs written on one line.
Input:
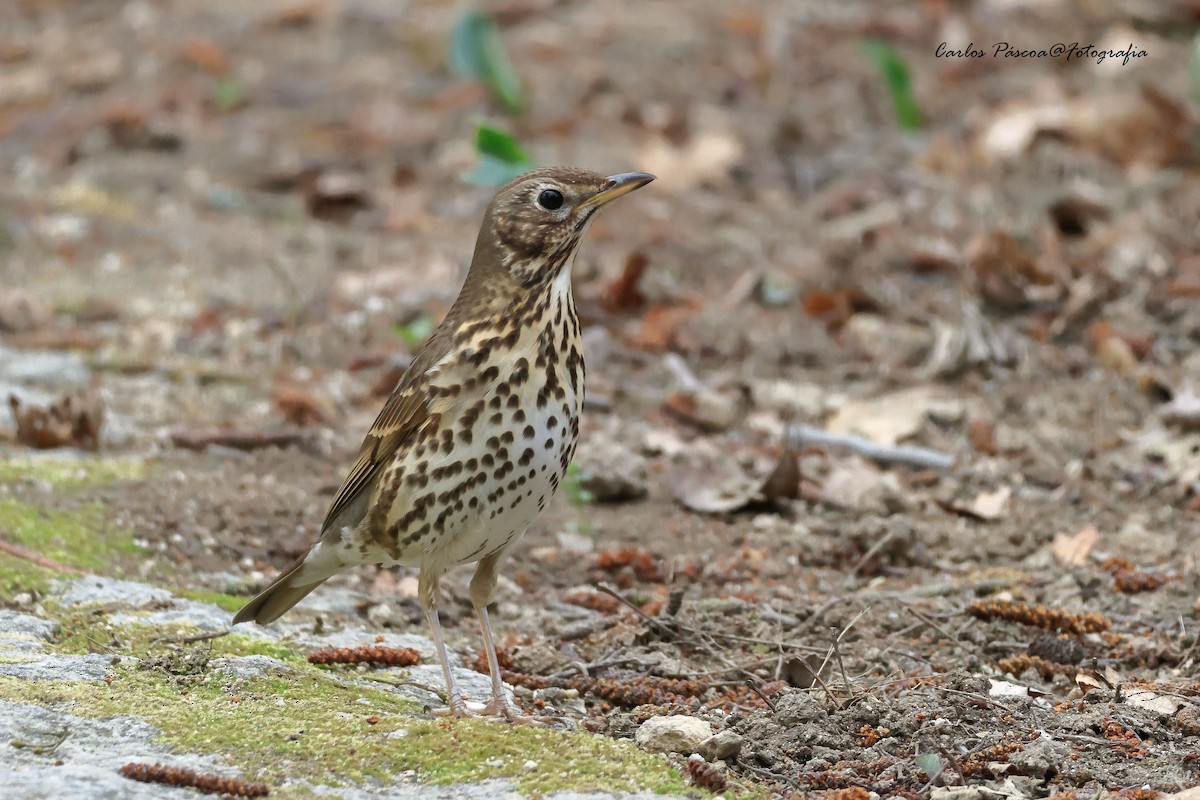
{"points": [[477, 52], [501, 158], [416, 331], [895, 74], [228, 94], [503, 146], [930, 764]]}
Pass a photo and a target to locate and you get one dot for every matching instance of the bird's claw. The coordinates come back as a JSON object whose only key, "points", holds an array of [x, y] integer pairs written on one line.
{"points": [[499, 706]]}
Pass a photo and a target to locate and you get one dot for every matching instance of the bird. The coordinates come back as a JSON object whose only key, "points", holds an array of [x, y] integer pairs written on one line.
{"points": [[476, 436]]}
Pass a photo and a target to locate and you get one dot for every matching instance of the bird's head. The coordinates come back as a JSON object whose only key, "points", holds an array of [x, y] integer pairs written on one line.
{"points": [[535, 222]]}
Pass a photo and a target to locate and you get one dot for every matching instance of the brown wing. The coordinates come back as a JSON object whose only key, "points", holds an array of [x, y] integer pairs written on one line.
{"points": [[400, 418]]}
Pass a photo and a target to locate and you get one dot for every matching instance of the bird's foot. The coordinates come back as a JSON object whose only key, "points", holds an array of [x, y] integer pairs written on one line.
{"points": [[456, 707], [500, 707]]}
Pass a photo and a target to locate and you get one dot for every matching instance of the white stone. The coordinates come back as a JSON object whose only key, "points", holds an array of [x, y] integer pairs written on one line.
{"points": [[672, 734]]}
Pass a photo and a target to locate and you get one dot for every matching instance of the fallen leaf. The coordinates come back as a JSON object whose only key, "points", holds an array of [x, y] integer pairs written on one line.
{"points": [[1072, 550], [708, 155], [337, 196], [623, 293], [300, 407], [1183, 411], [1155, 703], [659, 327], [73, 420], [887, 419], [706, 409], [984, 507], [206, 55], [1010, 276], [981, 433], [725, 494]]}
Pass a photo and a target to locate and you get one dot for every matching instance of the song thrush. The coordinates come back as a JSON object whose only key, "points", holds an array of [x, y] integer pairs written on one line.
{"points": [[475, 438]]}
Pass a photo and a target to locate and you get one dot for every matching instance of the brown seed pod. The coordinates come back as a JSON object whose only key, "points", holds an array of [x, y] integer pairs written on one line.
{"points": [[366, 654], [705, 775], [1051, 619], [205, 782]]}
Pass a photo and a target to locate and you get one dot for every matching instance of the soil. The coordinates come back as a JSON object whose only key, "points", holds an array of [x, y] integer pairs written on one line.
{"points": [[1016, 285]]}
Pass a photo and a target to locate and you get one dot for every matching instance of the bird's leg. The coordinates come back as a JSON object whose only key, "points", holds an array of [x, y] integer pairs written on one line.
{"points": [[482, 586], [428, 593]]}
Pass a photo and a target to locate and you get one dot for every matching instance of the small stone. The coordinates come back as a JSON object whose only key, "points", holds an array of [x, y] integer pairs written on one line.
{"points": [[796, 708], [611, 472], [21, 311], [672, 734], [248, 666], [720, 746]]}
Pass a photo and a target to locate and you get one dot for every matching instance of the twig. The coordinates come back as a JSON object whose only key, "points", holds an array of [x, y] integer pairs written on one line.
{"points": [[880, 543], [920, 457], [837, 652], [761, 695], [946, 754], [240, 440], [684, 377], [21, 552], [931, 623]]}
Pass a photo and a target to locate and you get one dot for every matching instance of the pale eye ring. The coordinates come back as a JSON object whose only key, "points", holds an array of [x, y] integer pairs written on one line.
{"points": [[550, 199]]}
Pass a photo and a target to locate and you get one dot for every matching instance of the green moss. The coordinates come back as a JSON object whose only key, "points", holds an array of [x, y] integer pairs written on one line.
{"points": [[87, 630], [308, 726], [229, 602], [73, 471], [79, 538]]}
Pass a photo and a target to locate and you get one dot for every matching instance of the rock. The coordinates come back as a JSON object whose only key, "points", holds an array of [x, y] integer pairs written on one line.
{"points": [[95, 590], [426, 685], [858, 485], [205, 616], [673, 734], [23, 632], [21, 311], [611, 472], [247, 666], [52, 368], [796, 708], [60, 668], [88, 753], [720, 746], [1040, 758]]}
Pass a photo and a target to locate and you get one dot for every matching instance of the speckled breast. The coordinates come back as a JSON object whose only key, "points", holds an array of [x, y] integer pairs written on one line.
{"points": [[500, 444]]}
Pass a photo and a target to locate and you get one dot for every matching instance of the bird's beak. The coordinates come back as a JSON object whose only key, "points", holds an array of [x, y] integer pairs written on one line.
{"points": [[617, 185]]}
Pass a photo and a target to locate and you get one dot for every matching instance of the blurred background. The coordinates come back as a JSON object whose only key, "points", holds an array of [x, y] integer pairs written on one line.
{"points": [[225, 226]]}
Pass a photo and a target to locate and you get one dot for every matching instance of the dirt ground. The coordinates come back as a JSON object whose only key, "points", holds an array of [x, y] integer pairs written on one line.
{"points": [[240, 214]]}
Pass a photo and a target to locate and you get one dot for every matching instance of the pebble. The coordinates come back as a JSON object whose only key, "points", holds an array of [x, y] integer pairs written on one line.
{"points": [[673, 734]]}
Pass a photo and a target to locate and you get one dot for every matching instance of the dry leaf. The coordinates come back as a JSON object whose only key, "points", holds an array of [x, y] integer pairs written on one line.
{"points": [[206, 55], [725, 495], [1086, 682], [888, 419], [73, 420], [709, 155], [992, 505], [1153, 702], [1072, 550], [659, 327], [623, 293]]}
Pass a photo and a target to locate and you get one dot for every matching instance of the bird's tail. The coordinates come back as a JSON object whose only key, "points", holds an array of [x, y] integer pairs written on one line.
{"points": [[305, 574]]}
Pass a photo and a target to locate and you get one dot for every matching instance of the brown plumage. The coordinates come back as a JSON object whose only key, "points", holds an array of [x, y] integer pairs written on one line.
{"points": [[477, 435]]}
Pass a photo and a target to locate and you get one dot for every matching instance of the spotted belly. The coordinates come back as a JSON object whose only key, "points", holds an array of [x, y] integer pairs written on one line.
{"points": [[463, 496]]}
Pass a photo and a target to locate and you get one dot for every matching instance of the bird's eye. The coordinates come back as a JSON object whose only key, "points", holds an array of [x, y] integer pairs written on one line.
{"points": [[550, 199]]}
